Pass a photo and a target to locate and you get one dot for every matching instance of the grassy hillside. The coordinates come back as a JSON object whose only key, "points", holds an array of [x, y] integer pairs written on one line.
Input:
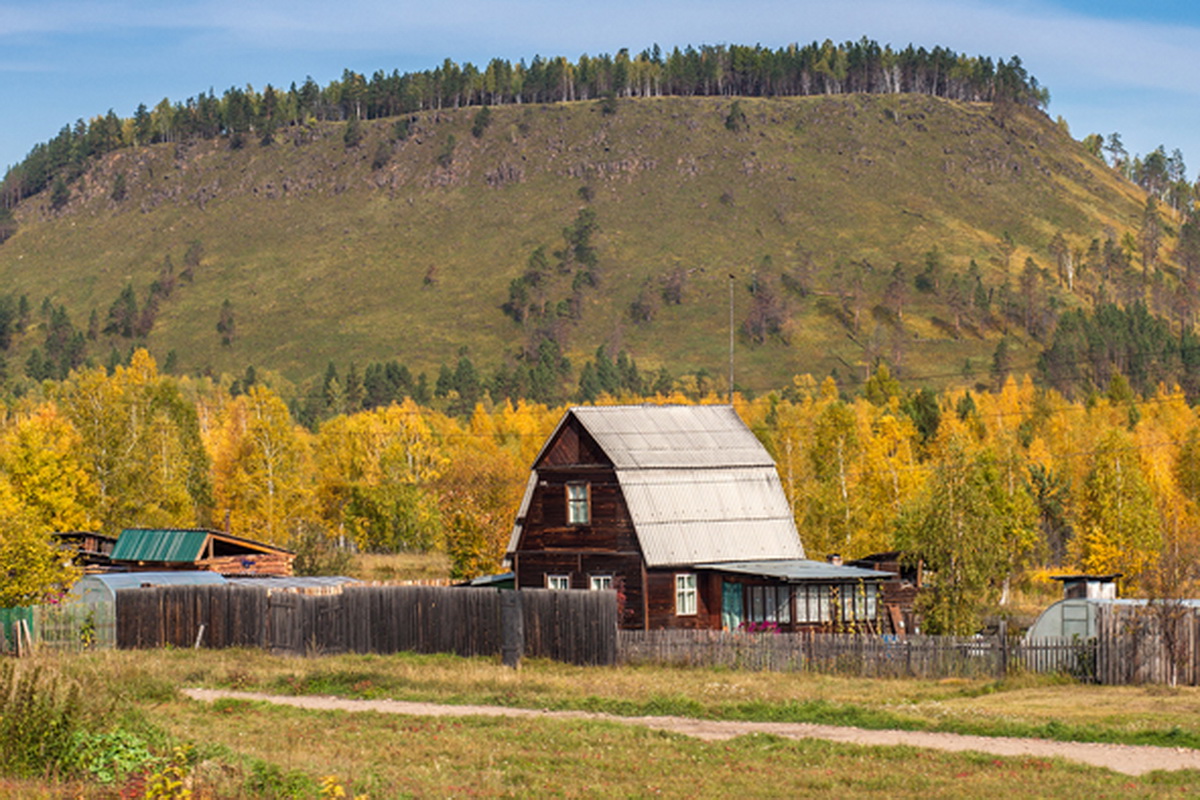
{"points": [[325, 253]]}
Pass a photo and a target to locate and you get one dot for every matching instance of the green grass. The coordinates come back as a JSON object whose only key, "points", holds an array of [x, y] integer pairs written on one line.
{"points": [[324, 259], [1043, 707], [252, 749]]}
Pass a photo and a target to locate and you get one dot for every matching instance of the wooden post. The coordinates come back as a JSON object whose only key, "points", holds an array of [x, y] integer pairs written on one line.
{"points": [[1003, 649], [24, 626], [512, 626]]}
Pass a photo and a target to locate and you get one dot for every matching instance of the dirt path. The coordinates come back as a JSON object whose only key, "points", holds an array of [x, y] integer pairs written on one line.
{"points": [[1128, 759]]}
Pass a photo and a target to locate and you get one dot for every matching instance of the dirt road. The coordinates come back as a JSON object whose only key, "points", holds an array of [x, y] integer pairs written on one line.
{"points": [[1127, 759]]}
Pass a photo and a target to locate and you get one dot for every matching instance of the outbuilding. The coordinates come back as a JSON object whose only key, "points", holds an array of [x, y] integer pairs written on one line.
{"points": [[141, 549]]}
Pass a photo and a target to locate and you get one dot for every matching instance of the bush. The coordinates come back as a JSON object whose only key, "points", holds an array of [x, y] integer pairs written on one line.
{"points": [[38, 721], [317, 554]]}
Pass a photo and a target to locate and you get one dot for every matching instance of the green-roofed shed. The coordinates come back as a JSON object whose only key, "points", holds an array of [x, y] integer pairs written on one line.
{"points": [[145, 544], [198, 548]]}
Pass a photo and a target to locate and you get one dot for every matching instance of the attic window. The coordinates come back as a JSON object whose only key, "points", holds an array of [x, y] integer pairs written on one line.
{"points": [[579, 510]]}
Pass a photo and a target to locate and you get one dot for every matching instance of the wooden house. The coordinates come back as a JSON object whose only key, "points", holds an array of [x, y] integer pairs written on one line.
{"points": [[678, 509]]}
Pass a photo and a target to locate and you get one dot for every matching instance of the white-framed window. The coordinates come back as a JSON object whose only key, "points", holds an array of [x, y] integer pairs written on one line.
{"points": [[579, 511], [601, 582], [558, 581], [812, 603], [685, 594]]}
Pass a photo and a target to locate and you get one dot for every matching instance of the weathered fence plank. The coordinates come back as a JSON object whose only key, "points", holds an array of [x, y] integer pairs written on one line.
{"points": [[578, 627], [863, 655]]}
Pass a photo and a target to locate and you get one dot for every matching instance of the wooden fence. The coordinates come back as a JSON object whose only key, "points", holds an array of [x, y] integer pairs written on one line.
{"points": [[1153, 643], [1134, 644], [576, 627], [860, 655]]}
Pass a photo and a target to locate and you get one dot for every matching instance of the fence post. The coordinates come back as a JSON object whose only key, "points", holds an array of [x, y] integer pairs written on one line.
{"points": [[512, 626], [1003, 649]]}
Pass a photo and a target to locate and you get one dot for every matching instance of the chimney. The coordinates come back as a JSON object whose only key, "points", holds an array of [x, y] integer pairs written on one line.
{"points": [[835, 559]]}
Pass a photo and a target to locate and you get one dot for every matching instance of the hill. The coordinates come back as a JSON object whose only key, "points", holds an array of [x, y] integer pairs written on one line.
{"points": [[614, 222]]}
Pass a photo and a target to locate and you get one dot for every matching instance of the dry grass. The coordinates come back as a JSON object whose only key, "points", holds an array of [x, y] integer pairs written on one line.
{"points": [[980, 706], [389, 756], [247, 749], [400, 566]]}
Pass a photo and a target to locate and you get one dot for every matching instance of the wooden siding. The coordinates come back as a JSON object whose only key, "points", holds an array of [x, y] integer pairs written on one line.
{"points": [[573, 445], [626, 570], [606, 545], [609, 528], [660, 595]]}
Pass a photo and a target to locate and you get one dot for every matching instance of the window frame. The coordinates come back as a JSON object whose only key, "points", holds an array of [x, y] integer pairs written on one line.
{"points": [[576, 504], [553, 578], [687, 597], [598, 578]]}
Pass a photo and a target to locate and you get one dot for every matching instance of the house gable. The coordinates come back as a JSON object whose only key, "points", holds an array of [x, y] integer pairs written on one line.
{"points": [[571, 445]]}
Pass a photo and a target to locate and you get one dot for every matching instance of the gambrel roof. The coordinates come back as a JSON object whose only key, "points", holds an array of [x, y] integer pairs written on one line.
{"points": [[700, 488]]}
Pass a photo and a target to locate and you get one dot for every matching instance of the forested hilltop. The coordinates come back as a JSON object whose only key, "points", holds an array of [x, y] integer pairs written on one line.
{"points": [[815, 69], [487, 241]]}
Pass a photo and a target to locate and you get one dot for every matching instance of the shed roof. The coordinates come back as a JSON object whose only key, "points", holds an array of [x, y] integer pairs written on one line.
{"points": [[145, 544], [799, 570], [698, 484], [136, 580], [182, 545], [293, 581]]}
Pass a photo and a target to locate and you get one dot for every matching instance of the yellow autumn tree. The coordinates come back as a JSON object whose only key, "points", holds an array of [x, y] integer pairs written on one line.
{"points": [[891, 473], [41, 455], [375, 472], [479, 491], [140, 442], [32, 565], [1119, 527], [262, 474]]}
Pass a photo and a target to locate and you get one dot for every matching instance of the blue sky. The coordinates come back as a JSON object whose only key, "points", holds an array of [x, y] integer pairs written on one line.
{"points": [[1110, 66]]}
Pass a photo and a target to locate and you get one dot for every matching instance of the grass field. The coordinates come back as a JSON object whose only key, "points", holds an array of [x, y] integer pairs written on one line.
{"points": [[242, 749], [399, 566], [326, 258]]}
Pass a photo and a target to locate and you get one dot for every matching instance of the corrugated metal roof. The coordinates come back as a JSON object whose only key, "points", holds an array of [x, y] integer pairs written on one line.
{"points": [[689, 516], [698, 484], [147, 544], [650, 437], [797, 570], [294, 581], [134, 580]]}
